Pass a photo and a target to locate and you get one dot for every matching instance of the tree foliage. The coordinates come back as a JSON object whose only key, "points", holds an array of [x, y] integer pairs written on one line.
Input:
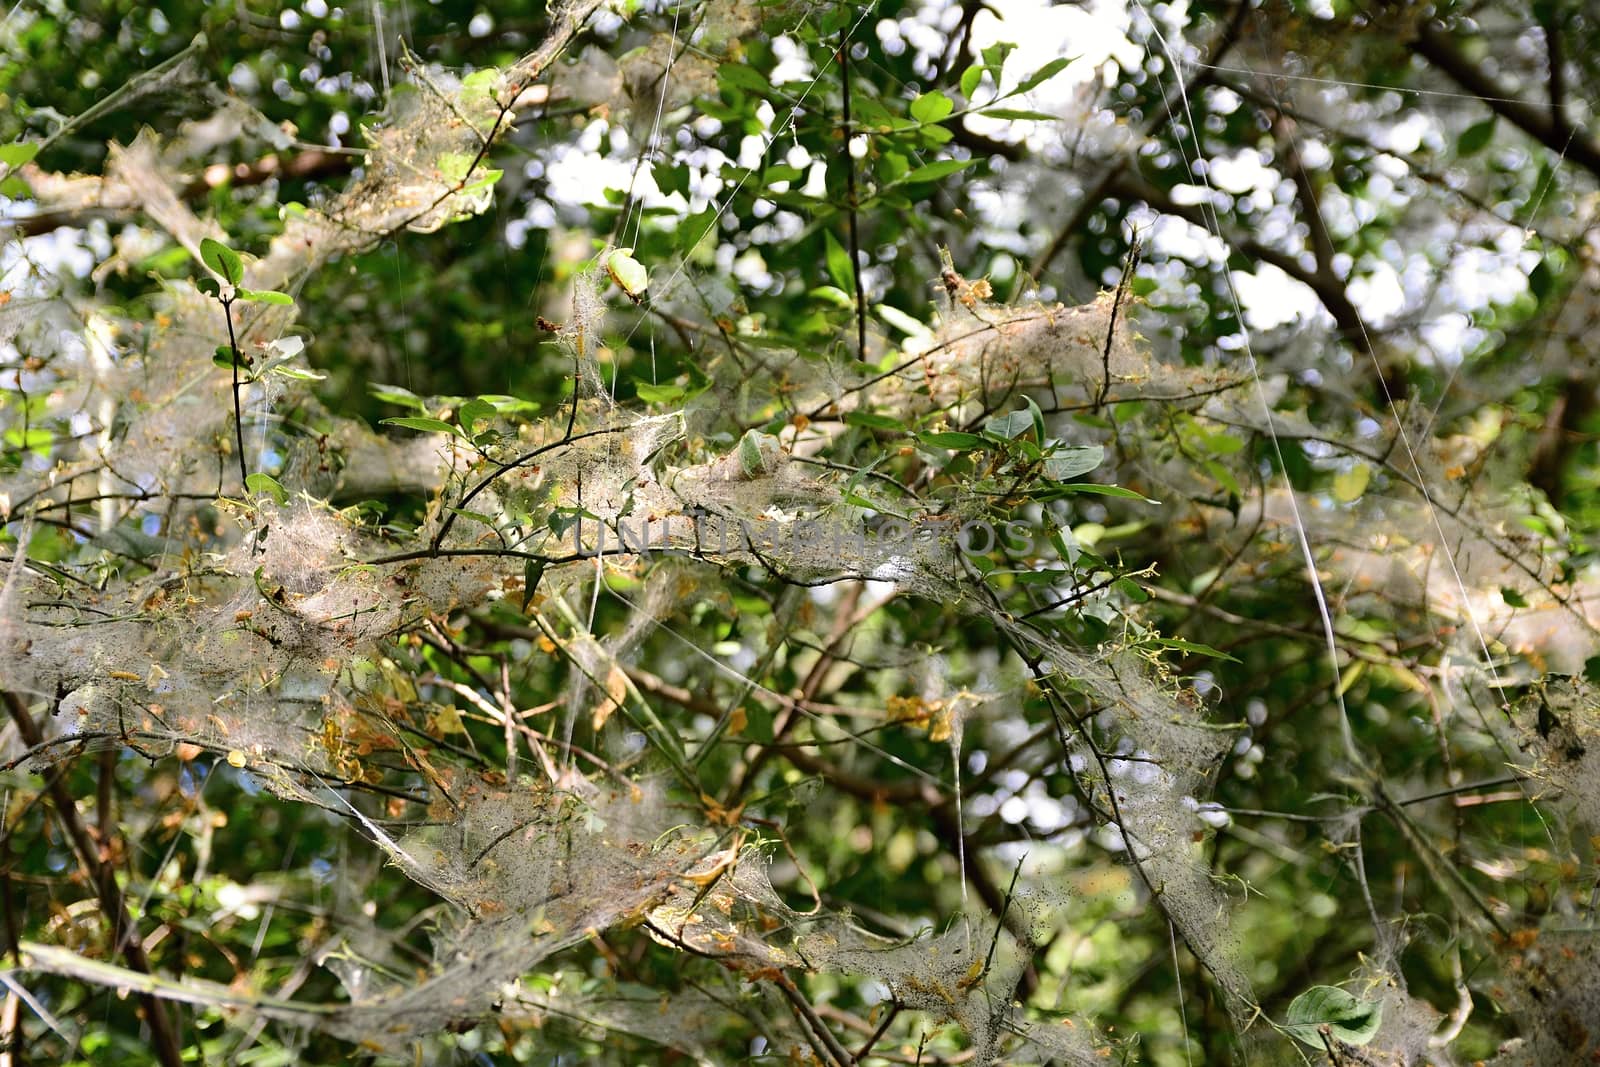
{"points": [[913, 533]]}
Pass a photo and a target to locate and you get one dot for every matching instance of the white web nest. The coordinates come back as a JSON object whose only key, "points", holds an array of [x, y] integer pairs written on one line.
{"points": [[260, 641]]}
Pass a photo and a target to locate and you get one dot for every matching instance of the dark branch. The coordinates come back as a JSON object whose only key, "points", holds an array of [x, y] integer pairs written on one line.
{"points": [[1439, 48]]}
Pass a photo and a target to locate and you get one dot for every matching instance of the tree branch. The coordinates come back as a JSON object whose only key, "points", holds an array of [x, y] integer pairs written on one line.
{"points": [[1439, 48], [1329, 290]]}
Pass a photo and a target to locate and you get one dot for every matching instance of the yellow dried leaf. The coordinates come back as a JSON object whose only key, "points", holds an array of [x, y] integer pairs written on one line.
{"points": [[616, 692], [445, 719], [719, 864]]}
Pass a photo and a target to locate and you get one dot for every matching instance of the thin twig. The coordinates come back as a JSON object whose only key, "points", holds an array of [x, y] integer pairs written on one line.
{"points": [[238, 416]]}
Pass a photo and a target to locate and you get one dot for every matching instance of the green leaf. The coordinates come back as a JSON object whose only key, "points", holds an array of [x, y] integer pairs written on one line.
{"points": [[455, 166], [954, 439], [751, 461], [906, 324], [473, 412], [1097, 489], [840, 269], [994, 57], [1066, 463], [1130, 589], [1475, 138], [1348, 485], [475, 516], [487, 180], [746, 78], [1042, 75], [1010, 424], [298, 374], [1018, 114], [1541, 280], [971, 78], [1223, 476], [932, 172], [1355, 1022], [659, 394], [857, 500], [563, 519], [1512, 597], [932, 107], [1178, 644], [418, 422], [672, 178], [222, 259], [834, 295], [266, 483], [222, 356], [892, 163], [267, 296], [393, 394], [758, 724], [35, 439], [532, 571], [781, 172], [1222, 443], [18, 154], [1038, 419], [479, 86], [867, 420], [873, 117], [694, 228]]}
